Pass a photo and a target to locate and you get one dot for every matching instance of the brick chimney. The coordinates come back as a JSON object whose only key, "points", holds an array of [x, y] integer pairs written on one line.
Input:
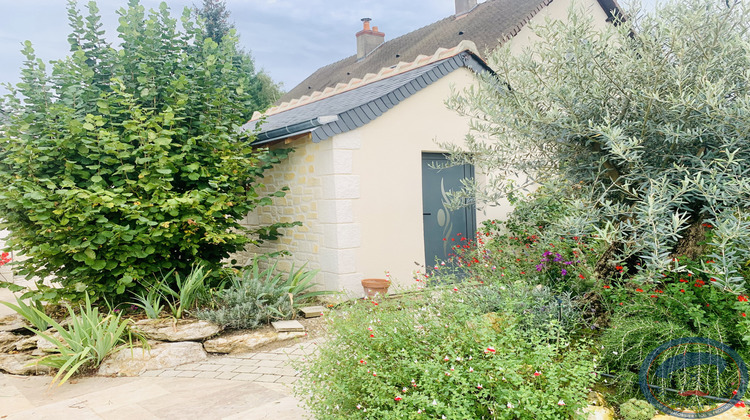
{"points": [[464, 6], [368, 39]]}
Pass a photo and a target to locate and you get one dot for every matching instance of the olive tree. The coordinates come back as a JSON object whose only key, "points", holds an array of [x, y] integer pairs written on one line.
{"points": [[649, 116]]}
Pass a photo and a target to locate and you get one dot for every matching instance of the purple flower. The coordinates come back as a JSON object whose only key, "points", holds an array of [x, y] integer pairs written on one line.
{"points": [[564, 272], [546, 254], [539, 267], [568, 262]]}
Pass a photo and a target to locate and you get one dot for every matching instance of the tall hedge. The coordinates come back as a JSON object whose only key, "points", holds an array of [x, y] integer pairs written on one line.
{"points": [[128, 161]]}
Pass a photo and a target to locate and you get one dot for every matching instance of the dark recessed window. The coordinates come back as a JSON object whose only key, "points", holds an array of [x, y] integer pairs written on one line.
{"points": [[398, 55], [460, 32]]}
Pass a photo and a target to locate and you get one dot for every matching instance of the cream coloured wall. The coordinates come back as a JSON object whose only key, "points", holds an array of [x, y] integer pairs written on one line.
{"points": [[389, 165]]}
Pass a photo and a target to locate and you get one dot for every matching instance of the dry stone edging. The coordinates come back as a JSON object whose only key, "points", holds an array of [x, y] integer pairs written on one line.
{"points": [[168, 329], [14, 323], [163, 355], [22, 364]]}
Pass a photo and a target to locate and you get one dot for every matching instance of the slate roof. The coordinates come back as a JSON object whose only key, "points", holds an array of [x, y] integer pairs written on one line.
{"points": [[488, 25], [352, 108]]}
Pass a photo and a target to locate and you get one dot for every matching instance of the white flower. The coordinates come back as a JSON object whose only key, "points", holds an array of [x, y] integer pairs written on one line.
{"points": [[511, 405], [561, 403], [434, 402]]}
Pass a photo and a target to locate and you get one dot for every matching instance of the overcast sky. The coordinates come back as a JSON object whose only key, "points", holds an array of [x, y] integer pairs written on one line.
{"points": [[289, 39]]}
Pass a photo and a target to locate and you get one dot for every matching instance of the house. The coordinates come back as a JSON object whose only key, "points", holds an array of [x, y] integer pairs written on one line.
{"points": [[362, 178]]}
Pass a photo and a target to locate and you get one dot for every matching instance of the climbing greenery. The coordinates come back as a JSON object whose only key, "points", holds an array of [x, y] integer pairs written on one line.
{"points": [[647, 117], [127, 160]]}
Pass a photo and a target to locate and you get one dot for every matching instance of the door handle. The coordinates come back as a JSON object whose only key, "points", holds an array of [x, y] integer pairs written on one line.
{"points": [[426, 214]]}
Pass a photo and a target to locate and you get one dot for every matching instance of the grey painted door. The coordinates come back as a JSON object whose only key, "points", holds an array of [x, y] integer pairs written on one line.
{"points": [[439, 222]]}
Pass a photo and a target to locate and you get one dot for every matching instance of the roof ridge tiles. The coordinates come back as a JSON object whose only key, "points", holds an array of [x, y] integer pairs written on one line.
{"points": [[384, 73]]}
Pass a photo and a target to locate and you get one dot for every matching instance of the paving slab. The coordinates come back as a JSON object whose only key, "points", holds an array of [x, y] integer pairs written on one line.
{"points": [[313, 311], [23, 398], [288, 326]]}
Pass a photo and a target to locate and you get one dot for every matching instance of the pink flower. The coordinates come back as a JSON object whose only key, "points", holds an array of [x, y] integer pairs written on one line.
{"points": [[403, 389], [471, 369], [359, 406]]}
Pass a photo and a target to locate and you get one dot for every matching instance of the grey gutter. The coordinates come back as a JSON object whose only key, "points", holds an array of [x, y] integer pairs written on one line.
{"points": [[294, 129]]}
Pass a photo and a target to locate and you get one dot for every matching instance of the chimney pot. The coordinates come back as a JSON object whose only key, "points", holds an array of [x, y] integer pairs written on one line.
{"points": [[464, 6], [368, 39]]}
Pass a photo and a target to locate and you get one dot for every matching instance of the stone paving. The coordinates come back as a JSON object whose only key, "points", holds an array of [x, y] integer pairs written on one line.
{"points": [[274, 366]]}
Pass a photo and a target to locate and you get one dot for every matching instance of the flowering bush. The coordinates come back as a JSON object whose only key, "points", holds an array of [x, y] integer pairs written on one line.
{"points": [[434, 356]]}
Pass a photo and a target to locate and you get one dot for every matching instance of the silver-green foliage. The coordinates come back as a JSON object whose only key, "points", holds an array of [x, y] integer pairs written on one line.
{"points": [[256, 297], [650, 116]]}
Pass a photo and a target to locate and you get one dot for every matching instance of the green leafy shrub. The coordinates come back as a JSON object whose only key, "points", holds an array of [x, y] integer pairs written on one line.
{"points": [[434, 356], [84, 342], [128, 161], [256, 297], [634, 409], [536, 306]]}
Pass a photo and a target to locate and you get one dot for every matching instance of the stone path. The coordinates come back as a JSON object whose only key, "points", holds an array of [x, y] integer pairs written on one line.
{"points": [[243, 386], [274, 366]]}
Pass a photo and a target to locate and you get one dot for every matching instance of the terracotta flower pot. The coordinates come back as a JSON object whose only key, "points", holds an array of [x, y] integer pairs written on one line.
{"points": [[375, 287]]}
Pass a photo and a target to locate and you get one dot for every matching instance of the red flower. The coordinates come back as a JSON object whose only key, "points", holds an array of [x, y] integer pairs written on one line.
{"points": [[683, 281], [682, 290], [581, 276], [362, 362], [397, 399], [372, 335], [639, 290], [489, 350], [537, 373], [740, 404], [618, 268], [607, 287], [743, 315], [653, 296], [742, 298]]}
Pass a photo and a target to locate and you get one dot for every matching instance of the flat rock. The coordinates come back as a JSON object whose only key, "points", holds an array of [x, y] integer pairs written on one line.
{"points": [[288, 326], [133, 362], [176, 330], [313, 311], [8, 340], [28, 343], [22, 364], [593, 412], [243, 342], [13, 323]]}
